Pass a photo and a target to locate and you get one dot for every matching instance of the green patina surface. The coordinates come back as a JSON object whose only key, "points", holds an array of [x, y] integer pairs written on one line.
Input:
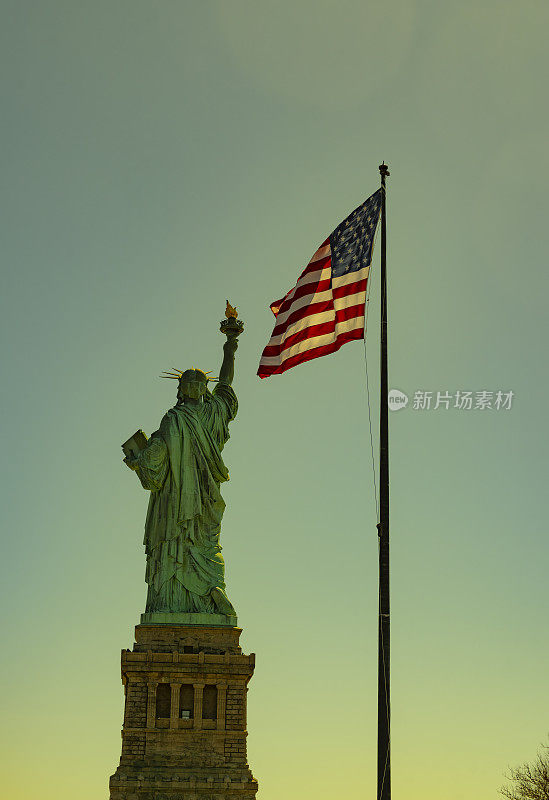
{"points": [[182, 468], [175, 618]]}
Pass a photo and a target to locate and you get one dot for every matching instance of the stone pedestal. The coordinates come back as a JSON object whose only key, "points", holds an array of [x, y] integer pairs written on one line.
{"points": [[184, 733]]}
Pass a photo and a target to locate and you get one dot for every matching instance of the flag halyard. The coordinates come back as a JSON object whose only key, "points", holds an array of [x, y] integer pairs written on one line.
{"points": [[325, 309]]}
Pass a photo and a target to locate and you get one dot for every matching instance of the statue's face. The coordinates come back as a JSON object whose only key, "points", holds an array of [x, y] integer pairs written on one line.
{"points": [[191, 386]]}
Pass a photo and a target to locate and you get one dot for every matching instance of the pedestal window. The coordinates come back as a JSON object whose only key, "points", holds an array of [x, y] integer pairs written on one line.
{"points": [[209, 702], [186, 701], [163, 700]]}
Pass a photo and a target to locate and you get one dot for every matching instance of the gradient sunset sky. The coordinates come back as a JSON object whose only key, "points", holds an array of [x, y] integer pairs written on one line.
{"points": [[160, 156]]}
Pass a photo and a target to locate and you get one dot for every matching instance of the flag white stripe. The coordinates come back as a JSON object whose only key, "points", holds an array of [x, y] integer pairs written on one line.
{"points": [[350, 277], [306, 299], [302, 302], [349, 300], [317, 319], [311, 277], [314, 341]]}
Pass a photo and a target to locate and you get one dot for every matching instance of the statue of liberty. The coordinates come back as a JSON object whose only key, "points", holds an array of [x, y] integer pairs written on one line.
{"points": [[182, 467]]}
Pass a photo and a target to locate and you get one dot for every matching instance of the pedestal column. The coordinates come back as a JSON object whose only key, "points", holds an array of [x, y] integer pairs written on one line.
{"points": [[151, 703], [221, 705], [174, 707], [198, 695]]}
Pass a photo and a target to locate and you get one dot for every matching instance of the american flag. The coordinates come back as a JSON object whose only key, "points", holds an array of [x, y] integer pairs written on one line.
{"points": [[325, 308]]}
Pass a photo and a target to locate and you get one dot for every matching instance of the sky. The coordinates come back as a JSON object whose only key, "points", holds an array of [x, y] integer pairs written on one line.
{"points": [[160, 157]]}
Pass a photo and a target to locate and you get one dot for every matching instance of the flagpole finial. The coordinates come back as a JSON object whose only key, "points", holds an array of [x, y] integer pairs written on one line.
{"points": [[384, 170]]}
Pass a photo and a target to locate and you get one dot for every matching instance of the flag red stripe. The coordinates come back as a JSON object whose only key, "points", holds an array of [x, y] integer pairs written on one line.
{"points": [[321, 286], [350, 288], [300, 336], [315, 266], [307, 288], [302, 291], [275, 307], [341, 315], [307, 355], [312, 266], [303, 313], [319, 308]]}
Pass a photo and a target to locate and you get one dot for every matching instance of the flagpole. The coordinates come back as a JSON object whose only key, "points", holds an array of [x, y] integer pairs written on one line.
{"points": [[383, 694]]}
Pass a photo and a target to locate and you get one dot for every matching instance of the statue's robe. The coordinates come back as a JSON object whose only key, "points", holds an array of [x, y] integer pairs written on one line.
{"points": [[183, 469]]}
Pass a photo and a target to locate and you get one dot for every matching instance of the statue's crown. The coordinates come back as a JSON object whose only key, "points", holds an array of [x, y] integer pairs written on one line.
{"points": [[189, 375]]}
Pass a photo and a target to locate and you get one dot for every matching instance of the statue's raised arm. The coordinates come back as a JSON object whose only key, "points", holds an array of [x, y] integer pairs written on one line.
{"points": [[182, 467], [232, 327]]}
